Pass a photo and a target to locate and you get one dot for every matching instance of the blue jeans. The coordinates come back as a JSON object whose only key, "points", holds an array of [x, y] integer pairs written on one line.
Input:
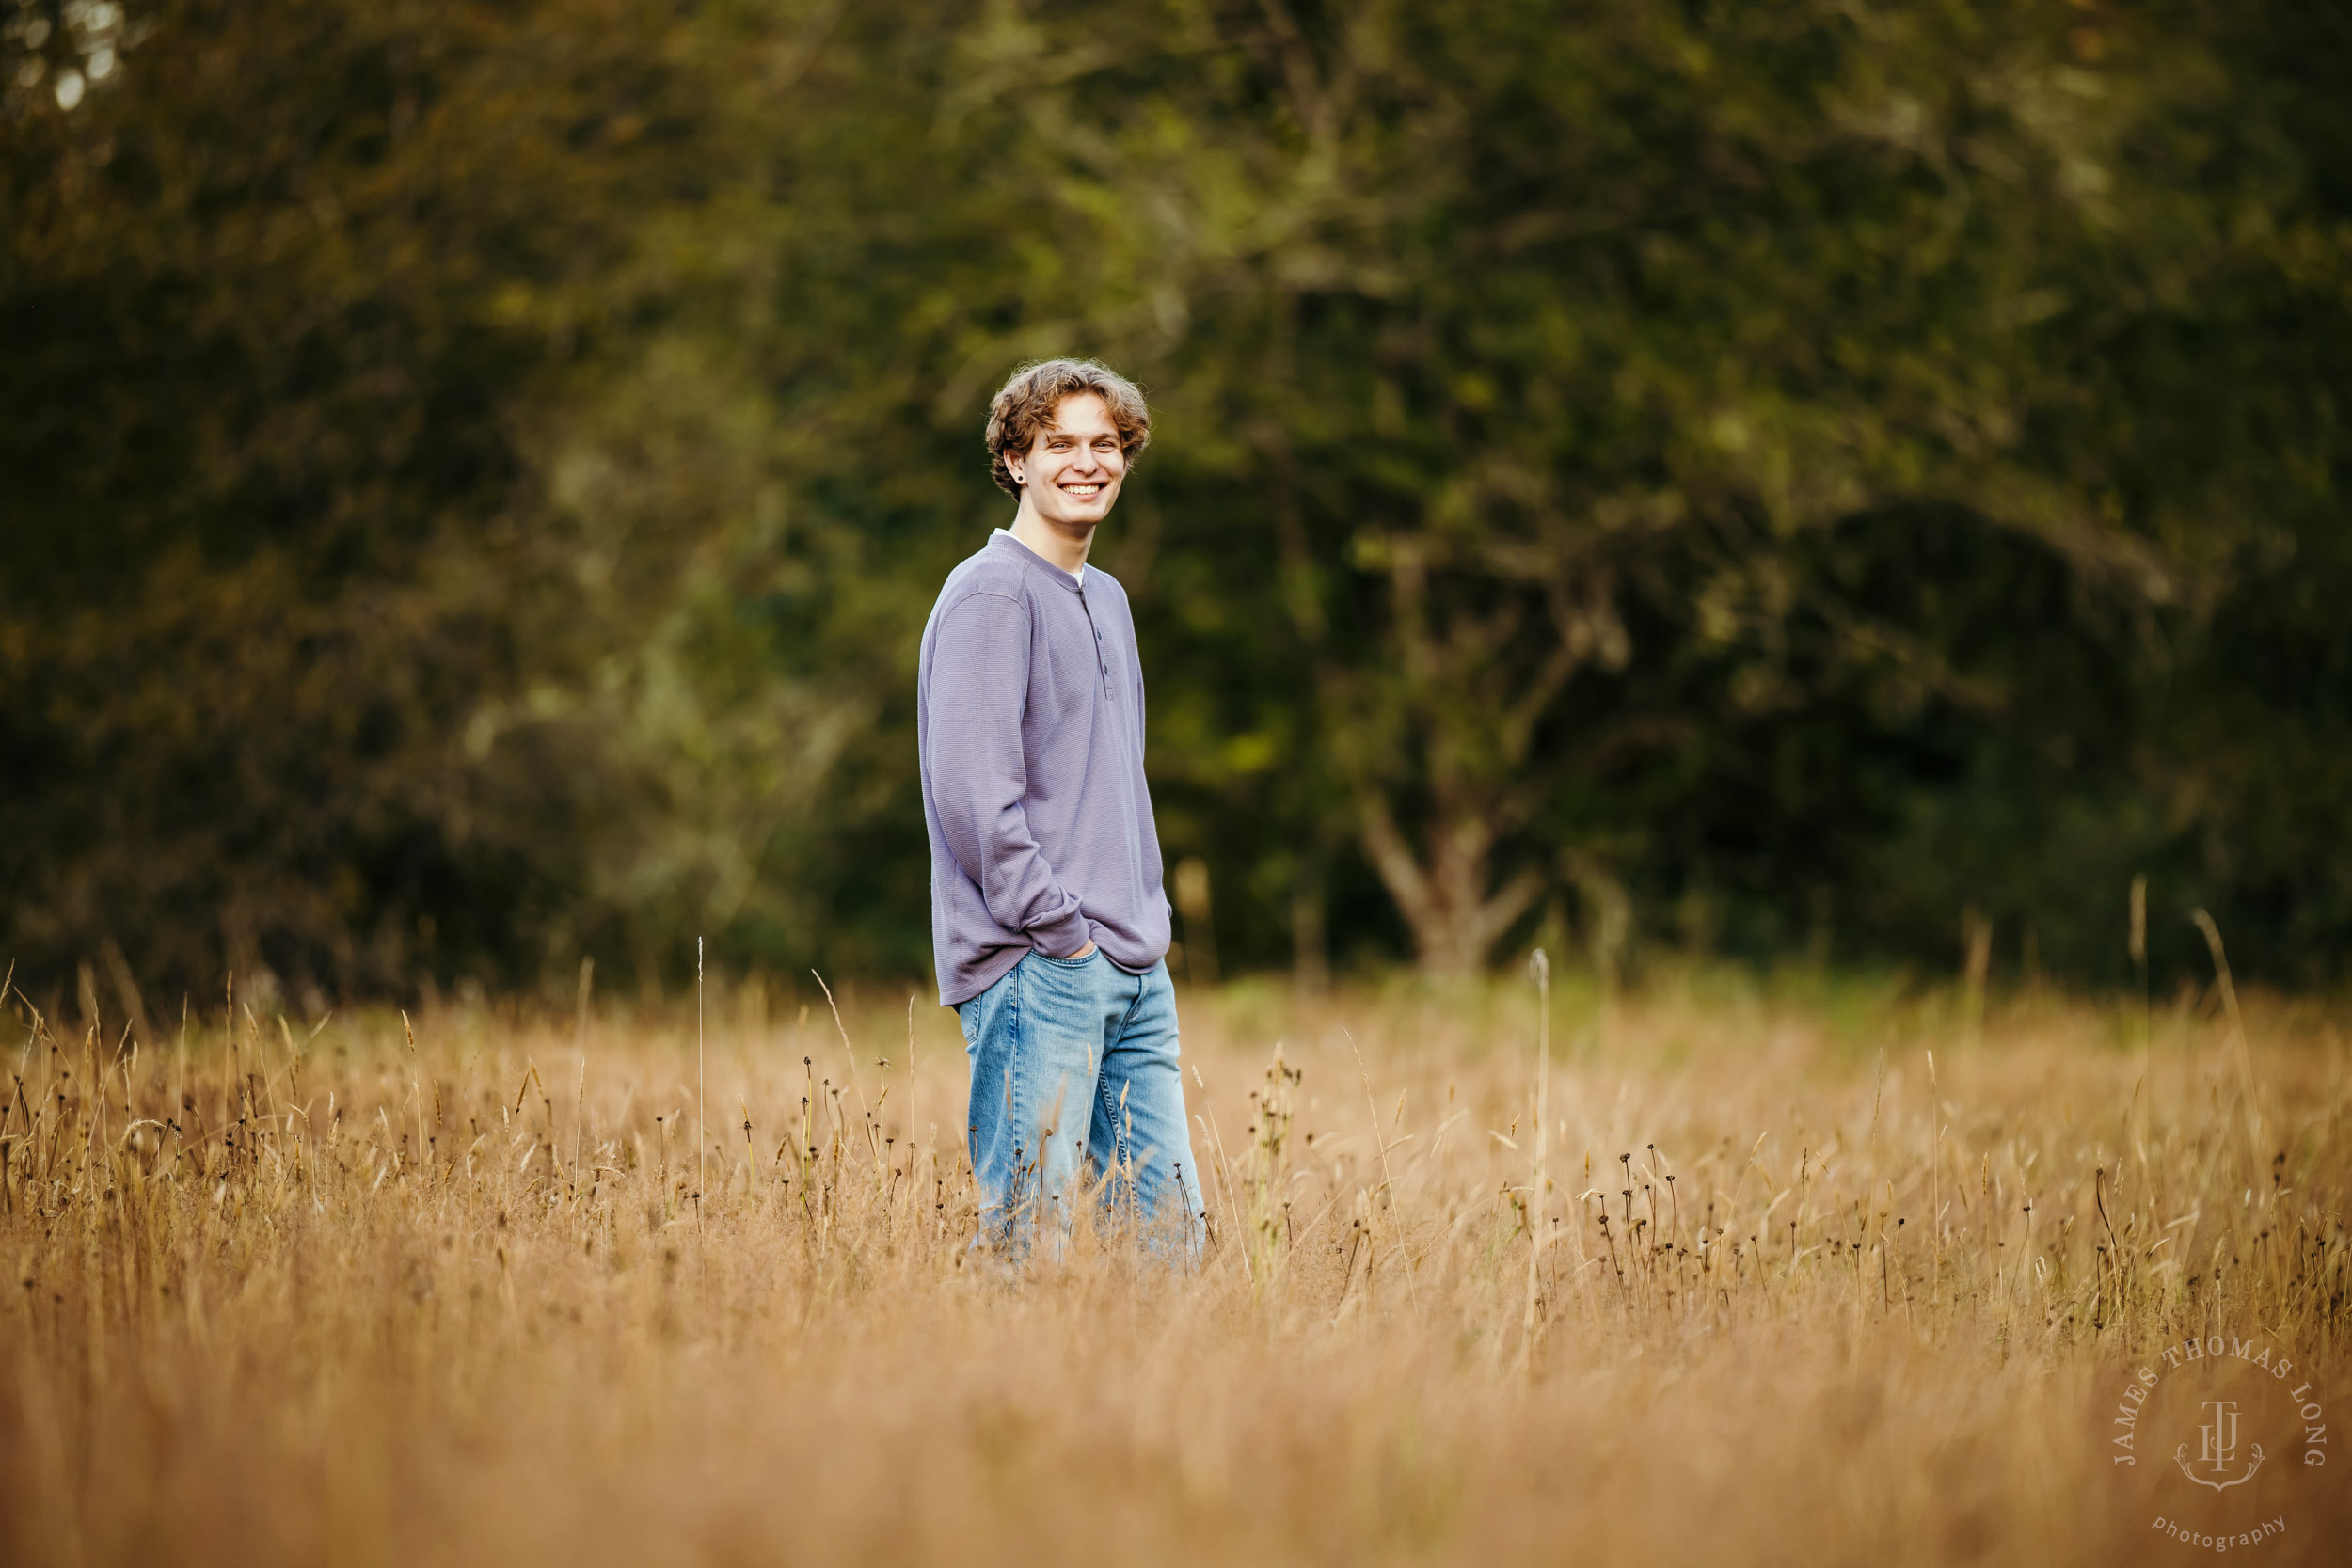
{"points": [[1076, 1089]]}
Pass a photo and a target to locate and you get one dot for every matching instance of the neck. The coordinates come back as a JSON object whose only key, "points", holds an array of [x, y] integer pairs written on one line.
{"points": [[1067, 552]]}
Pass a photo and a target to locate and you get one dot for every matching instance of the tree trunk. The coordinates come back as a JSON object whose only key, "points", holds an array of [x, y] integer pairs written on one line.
{"points": [[1444, 892]]}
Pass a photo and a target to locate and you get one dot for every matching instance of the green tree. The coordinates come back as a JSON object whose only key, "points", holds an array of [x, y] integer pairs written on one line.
{"points": [[474, 473]]}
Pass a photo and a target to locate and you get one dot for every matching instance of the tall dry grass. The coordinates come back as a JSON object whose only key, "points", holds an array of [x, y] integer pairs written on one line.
{"points": [[481, 1293]]}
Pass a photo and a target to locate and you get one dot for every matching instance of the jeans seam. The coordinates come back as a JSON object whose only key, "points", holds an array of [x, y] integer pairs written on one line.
{"points": [[1012, 1090], [1127, 1019], [1103, 1093]]}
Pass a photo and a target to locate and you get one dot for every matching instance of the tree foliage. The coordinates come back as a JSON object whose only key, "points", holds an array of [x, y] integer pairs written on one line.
{"points": [[1769, 473]]}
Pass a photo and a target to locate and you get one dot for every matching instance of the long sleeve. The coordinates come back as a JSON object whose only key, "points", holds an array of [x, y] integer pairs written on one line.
{"points": [[972, 742]]}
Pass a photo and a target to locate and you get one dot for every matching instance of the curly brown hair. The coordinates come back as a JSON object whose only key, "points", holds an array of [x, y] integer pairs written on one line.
{"points": [[1023, 405]]}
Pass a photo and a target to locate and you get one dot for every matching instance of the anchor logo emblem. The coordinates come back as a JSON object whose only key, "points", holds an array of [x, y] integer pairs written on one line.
{"points": [[2220, 1448]]}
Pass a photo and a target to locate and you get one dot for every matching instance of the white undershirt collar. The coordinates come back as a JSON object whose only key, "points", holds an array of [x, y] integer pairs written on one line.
{"points": [[1078, 576]]}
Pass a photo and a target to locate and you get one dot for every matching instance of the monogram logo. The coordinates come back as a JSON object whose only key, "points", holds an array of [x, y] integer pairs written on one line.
{"points": [[2258, 1404], [2219, 1450]]}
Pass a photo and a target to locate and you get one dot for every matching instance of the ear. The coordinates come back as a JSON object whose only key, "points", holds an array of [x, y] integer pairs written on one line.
{"points": [[1012, 467]]}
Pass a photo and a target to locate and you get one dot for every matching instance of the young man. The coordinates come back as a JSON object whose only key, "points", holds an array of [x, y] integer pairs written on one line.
{"points": [[1048, 921]]}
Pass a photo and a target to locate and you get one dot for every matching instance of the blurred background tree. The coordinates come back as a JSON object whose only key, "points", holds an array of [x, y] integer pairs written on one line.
{"points": [[1764, 479]]}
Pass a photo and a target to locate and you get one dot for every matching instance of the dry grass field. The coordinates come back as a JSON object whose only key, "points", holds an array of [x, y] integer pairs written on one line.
{"points": [[1879, 1276]]}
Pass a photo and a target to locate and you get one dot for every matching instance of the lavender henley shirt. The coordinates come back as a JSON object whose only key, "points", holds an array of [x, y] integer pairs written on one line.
{"points": [[1029, 712]]}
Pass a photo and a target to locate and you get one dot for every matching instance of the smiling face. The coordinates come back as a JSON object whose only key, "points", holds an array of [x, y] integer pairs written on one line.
{"points": [[1070, 475]]}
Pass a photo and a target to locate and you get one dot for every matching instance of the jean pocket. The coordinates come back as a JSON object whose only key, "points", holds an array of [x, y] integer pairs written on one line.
{"points": [[1066, 963]]}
